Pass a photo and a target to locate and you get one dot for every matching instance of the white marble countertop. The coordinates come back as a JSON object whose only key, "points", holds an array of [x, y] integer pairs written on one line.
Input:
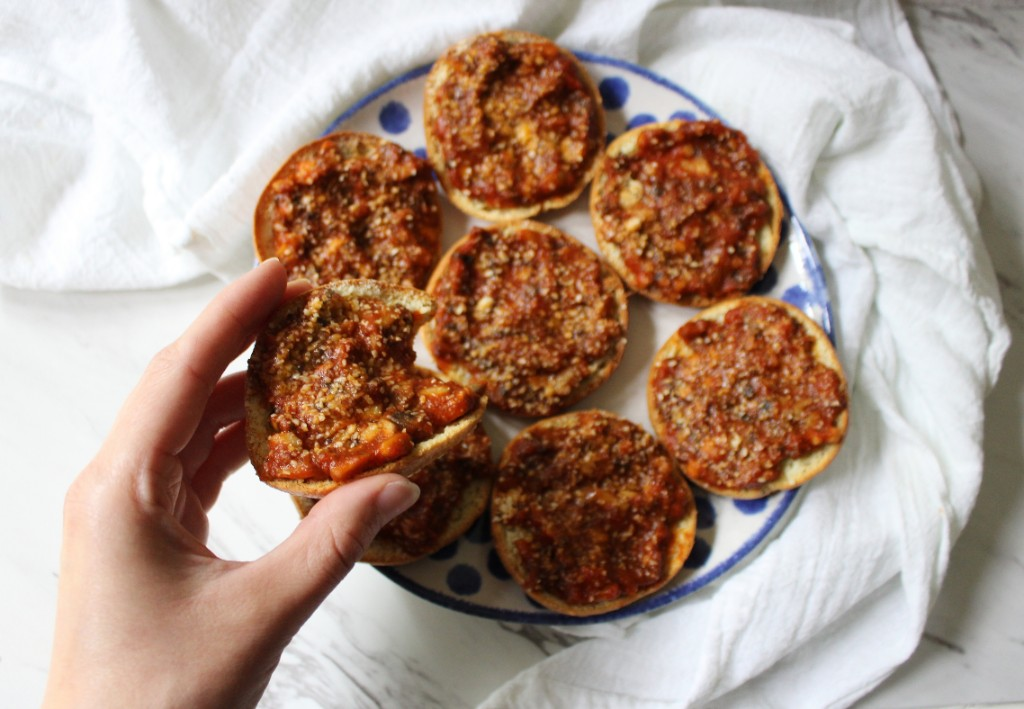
{"points": [[60, 344]]}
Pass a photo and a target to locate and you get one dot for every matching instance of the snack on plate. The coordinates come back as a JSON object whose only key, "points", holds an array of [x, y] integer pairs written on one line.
{"points": [[589, 513], [351, 205], [454, 492], [749, 397], [526, 315], [514, 125], [686, 211], [332, 393]]}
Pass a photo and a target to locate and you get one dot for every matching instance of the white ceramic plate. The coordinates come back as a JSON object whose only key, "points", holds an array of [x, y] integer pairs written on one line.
{"points": [[467, 575]]}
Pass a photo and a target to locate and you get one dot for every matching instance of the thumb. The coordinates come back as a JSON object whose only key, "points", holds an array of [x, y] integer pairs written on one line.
{"points": [[302, 570]]}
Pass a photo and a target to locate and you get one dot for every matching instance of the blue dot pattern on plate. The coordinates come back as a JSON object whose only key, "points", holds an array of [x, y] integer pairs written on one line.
{"points": [[420, 153], [751, 507], [640, 119], [394, 118], [798, 296], [698, 555], [464, 580], [683, 116], [614, 92]]}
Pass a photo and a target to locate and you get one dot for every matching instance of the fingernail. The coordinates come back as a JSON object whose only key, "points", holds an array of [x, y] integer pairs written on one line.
{"points": [[396, 498], [300, 284]]}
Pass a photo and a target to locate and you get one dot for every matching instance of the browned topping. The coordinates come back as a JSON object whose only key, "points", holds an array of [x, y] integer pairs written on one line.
{"points": [[685, 209], [371, 213], [517, 123], [527, 315], [344, 398], [417, 531], [590, 508], [750, 396]]}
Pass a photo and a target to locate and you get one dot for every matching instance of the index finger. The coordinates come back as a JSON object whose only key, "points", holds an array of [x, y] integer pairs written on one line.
{"points": [[162, 412]]}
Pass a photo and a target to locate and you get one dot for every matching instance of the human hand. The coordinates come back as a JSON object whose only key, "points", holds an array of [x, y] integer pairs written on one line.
{"points": [[147, 615]]}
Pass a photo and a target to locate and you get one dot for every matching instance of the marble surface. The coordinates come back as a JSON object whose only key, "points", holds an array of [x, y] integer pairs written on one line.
{"points": [[61, 344]]}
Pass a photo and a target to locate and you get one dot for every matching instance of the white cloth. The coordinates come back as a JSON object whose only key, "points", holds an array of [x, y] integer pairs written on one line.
{"points": [[135, 140]]}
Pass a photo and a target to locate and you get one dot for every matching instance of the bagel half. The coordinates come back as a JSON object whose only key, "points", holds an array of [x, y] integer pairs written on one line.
{"points": [[514, 125], [351, 205], [589, 513], [749, 397], [528, 316], [686, 212], [332, 392]]}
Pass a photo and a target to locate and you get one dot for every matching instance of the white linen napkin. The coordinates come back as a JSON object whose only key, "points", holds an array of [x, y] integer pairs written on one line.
{"points": [[136, 139]]}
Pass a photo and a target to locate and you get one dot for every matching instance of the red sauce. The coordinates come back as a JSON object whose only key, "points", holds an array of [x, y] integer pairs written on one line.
{"points": [[528, 315], [684, 210], [751, 396], [371, 213], [516, 123], [592, 508], [344, 396]]}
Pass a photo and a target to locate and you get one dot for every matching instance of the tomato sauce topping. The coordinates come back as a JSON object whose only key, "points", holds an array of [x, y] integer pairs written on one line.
{"points": [[527, 314], [684, 210], [369, 213], [591, 508], [344, 396], [418, 530], [749, 396], [516, 123]]}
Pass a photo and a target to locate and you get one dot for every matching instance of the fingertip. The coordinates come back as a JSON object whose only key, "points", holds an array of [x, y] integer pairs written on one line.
{"points": [[396, 497]]}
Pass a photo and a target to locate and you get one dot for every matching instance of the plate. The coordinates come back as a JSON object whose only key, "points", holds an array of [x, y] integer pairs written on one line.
{"points": [[467, 576]]}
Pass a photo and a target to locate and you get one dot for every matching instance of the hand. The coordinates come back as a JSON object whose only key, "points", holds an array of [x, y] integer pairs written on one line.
{"points": [[147, 615]]}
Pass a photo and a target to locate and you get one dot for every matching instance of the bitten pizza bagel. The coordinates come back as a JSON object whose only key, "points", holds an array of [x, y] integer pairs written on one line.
{"points": [[454, 492], [514, 125], [528, 316], [351, 205], [589, 513], [332, 393], [686, 211], [749, 397]]}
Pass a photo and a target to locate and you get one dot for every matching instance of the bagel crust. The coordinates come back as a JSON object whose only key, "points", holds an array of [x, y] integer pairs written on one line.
{"points": [[333, 394], [528, 316], [589, 513], [514, 125], [749, 397], [351, 205], [686, 211]]}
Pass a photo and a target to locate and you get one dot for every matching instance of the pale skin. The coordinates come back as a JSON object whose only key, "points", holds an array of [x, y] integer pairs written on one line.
{"points": [[147, 615]]}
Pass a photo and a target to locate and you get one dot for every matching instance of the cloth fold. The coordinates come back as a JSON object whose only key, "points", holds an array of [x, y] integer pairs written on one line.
{"points": [[137, 139]]}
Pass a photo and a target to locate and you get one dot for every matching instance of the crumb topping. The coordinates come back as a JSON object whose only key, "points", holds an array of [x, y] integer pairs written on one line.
{"points": [[516, 123], [740, 397], [527, 316], [371, 213], [684, 210], [591, 508], [343, 395]]}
